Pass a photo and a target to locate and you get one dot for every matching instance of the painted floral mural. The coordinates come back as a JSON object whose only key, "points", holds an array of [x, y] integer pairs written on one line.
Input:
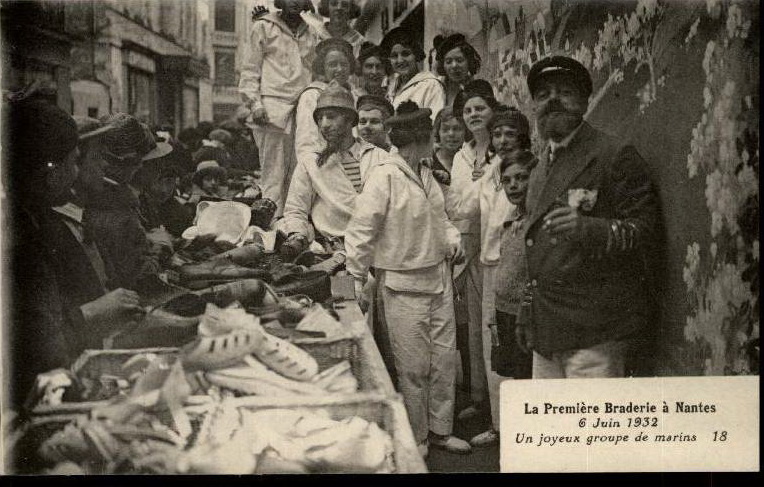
{"points": [[641, 55]]}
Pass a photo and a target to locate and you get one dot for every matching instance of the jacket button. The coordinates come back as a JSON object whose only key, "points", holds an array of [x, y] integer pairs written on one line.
{"points": [[534, 283], [529, 242]]}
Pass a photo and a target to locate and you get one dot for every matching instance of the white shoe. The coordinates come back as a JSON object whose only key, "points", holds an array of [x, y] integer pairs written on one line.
{"points": [[486, 438]]}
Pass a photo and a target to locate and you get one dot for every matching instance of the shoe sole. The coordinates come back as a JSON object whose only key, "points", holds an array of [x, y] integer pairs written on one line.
{"points": [[455, 452]]}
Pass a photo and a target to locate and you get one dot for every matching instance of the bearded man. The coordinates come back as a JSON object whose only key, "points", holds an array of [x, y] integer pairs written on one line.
{"points": [[325, 184], [593, 214]]}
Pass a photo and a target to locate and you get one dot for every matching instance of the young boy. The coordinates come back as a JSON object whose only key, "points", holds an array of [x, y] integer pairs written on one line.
{"points": [[373, 111], [509, 358]]}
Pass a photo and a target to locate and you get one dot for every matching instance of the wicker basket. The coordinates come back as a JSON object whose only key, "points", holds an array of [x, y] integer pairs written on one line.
{"points": [[93, 363]]}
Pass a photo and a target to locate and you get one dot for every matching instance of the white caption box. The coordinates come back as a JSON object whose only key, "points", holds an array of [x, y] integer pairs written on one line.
{"points": [[670, 424]]}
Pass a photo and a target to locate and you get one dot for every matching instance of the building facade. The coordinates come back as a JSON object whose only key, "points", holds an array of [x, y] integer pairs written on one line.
{"points": [[37, 43], [149, 59], [229, 24]]}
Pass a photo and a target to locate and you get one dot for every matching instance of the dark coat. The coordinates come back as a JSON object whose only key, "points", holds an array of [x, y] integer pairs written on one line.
{"points": [[112, 221], [593, 291], [36, 320], [52, 278]]}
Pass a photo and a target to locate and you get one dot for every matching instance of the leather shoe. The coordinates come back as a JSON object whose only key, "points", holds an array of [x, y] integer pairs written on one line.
{"points": [[450, 443], [315, 284], [205, 274], [486, 438]]}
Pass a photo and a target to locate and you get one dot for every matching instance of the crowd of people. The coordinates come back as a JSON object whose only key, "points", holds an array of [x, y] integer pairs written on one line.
{"points": [[420, 183]]}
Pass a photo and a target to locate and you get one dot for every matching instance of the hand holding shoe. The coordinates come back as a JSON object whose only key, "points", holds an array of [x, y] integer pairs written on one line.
{"points": [[115, 305]]}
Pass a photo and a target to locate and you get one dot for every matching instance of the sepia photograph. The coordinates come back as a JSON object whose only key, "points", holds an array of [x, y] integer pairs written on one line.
{"points": [[247, 237]]}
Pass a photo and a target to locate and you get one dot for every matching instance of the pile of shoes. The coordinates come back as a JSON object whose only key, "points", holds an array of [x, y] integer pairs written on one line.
{"points": [[235, 352]]}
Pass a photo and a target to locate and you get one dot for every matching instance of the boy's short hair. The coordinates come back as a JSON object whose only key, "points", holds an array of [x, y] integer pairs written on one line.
{"points": [[523, 157], [444, 116]]}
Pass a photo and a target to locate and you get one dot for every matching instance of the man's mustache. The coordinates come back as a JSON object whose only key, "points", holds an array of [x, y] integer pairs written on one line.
{"points": [[552, 106]]}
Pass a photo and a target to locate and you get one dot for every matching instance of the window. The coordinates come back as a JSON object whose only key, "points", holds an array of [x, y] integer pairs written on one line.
{"points": [[225, 67], [225, 15], [140, 95]]}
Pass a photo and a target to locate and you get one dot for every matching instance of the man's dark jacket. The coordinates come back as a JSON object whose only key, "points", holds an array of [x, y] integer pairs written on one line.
{"points": [[594, 290]]}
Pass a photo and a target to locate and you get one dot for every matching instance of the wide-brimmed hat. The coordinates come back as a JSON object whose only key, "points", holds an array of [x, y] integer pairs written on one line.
{"points": [[89, 128], [335, 96], [375, 101], [560, 66], [129, 140], [405, 37]]}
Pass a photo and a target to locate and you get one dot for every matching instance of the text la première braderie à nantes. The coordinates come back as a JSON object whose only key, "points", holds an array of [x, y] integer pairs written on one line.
{"points": [[614, 408]]}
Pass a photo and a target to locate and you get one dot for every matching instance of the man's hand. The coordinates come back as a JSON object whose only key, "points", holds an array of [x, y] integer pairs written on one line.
{"points": [[494, 334], [523, 337], [456, 253], [565, 222], [160, 237], [116, 305], [442, 176], [360, 295], [260, 116], [294, 244]]}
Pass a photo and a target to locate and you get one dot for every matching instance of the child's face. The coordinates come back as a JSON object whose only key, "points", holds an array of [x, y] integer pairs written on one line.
{"points": [[504, 139], [210, 184], [515, 182], [163, 188], [371, 126], [452, 134]]}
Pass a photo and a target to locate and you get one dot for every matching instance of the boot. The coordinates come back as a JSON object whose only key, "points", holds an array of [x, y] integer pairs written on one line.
{"points": [[205, 274]]}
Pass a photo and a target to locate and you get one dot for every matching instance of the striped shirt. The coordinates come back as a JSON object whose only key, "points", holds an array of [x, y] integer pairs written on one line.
{"points": [[352, 167]]}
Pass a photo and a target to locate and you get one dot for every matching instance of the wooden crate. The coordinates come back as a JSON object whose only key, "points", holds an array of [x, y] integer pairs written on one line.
{"points": [[386, 411]]}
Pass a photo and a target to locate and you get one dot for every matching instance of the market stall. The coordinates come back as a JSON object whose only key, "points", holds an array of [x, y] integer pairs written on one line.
{"points": [[256, 366]]}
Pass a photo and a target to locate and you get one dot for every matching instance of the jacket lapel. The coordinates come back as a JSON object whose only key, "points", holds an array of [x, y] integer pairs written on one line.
{"points": [[570, 162]]}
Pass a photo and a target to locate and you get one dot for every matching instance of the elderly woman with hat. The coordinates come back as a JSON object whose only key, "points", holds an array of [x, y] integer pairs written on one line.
{"points": [[457, 63], [340, 13], [401, 228], [373, 111], [484, 200], [409, 81], [373, 70], [326, 184], [334, 62]]}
